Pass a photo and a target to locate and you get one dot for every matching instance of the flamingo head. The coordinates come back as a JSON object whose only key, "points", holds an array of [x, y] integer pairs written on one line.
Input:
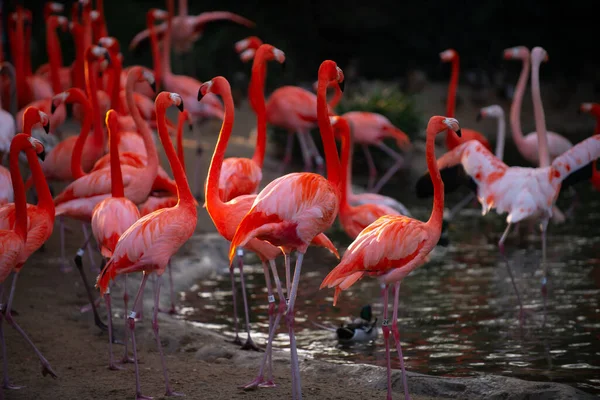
{"points": [[176, 99], [516, 53], [331, 74], [59, 99], [494, 111], [267, 52], [97, 53], [438, 124], [539, 55], [590, 108], [247, 55], [38, 147], [148, 76], [44, 120], [340, 126], [448, 55], [110, 43], [251, 42], [156, 14]]}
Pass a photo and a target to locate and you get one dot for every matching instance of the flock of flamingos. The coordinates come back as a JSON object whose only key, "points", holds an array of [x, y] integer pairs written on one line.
{"points": [[140, 216]]}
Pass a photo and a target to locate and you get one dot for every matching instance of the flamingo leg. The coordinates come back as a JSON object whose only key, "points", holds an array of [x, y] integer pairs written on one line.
{"points": [[385, 327], [46, 368], [172, 309], [397, 338], [88, 245], [392, 170], [290, 319], [131, 324], [111, 363], [460, 205], [126, 359], [249, 345], [288, 282], [64, 267], [372, 168], [198, 171], [168, 390], [544, 228], [287, 158], [88, 289], [237, 339], [315, 153], [5, 380], [306, 153], [510, 272]]}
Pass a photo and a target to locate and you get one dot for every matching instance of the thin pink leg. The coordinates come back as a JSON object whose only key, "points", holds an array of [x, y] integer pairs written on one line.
{"points": [[46, 368], [5, 381], [306, 154], [131, 323], [111, 363], [287, 158], [392, 170], [315, 153], [290, 319], [126, 359], [510, 274], [172, 310], [397, 339], [237, 339], [249, 345], [168, 390], [64, 264], [385, 327], [88, 290], [371, 166], [87, 237]]}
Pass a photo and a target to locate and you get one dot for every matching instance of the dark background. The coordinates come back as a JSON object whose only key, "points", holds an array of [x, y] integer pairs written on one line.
{"points": [[384, 39]]}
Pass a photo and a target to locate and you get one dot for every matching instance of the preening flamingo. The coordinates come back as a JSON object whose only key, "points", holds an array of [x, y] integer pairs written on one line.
{"points": [[369, 129], [528, 145], [23, 229], [594, 109], [393, 246], [247, 47], [112, 216], [151, 241], [353, 218], [293, 209], [523, 193]]}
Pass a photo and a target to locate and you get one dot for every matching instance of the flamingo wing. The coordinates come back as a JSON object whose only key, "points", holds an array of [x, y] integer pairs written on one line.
{"points": [[201, 20], [11, 246], [577, 164], [90, 185]]}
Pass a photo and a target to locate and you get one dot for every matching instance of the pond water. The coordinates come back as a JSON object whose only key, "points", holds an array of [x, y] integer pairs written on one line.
{"points": [[458, 314]]}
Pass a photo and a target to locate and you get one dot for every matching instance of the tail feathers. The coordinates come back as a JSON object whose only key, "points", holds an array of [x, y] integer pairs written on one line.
{"points": [[107, 274], [252, 225], [323, 241], [340, 282]]}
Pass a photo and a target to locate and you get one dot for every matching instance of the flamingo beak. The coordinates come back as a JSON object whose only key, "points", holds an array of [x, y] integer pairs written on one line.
{"points": [[47, 127], [200, 95], [458, 133], [53, 108], [42, 155], [180, 106], [341, 85]]}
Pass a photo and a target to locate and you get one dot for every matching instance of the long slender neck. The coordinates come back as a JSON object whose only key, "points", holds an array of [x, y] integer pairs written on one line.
{"points": [[45, 200], [156, 61], [257, 101], [86, 126], [54, 56], [515, 107], [500, 137], [166, 50], [451, 138], [183, 188], [331, 154], [116, 176], [20, 55], [183, 8], [346, 148], [437, 213], [13, 86], [142, 127], [335, 99], [78, 70], [540, 118], [214, 204], [348, 188], [115, 88], [92, 90], [27, 59], [18, 188], [596, 113], [183, 116]]}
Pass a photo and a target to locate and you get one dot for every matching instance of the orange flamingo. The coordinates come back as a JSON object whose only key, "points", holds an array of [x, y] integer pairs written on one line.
{"points": [[452, 141], [393, 246], [354, 218], [14, 240], [112, 216], [369, 129], [152, 240], [594, 109], [293, 209]]}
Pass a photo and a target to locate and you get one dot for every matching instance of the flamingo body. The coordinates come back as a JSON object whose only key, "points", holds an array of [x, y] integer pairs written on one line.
{"points": [[239, 176], [371, 128], [6, 190], [111, 218]]}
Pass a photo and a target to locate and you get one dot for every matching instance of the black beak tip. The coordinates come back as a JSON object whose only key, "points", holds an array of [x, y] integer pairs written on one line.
{"points": [[47, 127], [190, 126], [153, 86], [42, 155], [478, 118], [458, 132], [180, 106], [283, 64], [342, 85], [200, 95], [52, 108]]}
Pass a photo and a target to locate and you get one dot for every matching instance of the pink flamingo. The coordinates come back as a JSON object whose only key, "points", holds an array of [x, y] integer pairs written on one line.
{"points": [[393, 246], [523, 193], [226, 216], [14, 241], [152, 240], [594, 109], [293, 209], [353, 218], [247, 47], [112, 216], [369, 129]]}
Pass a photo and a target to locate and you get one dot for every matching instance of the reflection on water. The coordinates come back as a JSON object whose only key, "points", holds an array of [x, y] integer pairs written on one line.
{"points": [[458, 314]]}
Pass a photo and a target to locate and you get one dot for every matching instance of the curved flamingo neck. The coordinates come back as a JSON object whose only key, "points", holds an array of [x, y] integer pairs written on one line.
{"points": [[116, 175], [54, 53], [257, 101], [86, 126], [19, 143], [183, 188], [337, 96], [437, 212], [152, 163], [115, 84], [45, 201], [451, 138], [156, 61], [516, 105], [596, 113], [166, 50], [346, 139], [501, 136], [183, 8], [540, 118], [183, 116], [331, 154], [30, 118], [214, 204], [92, 90]]}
